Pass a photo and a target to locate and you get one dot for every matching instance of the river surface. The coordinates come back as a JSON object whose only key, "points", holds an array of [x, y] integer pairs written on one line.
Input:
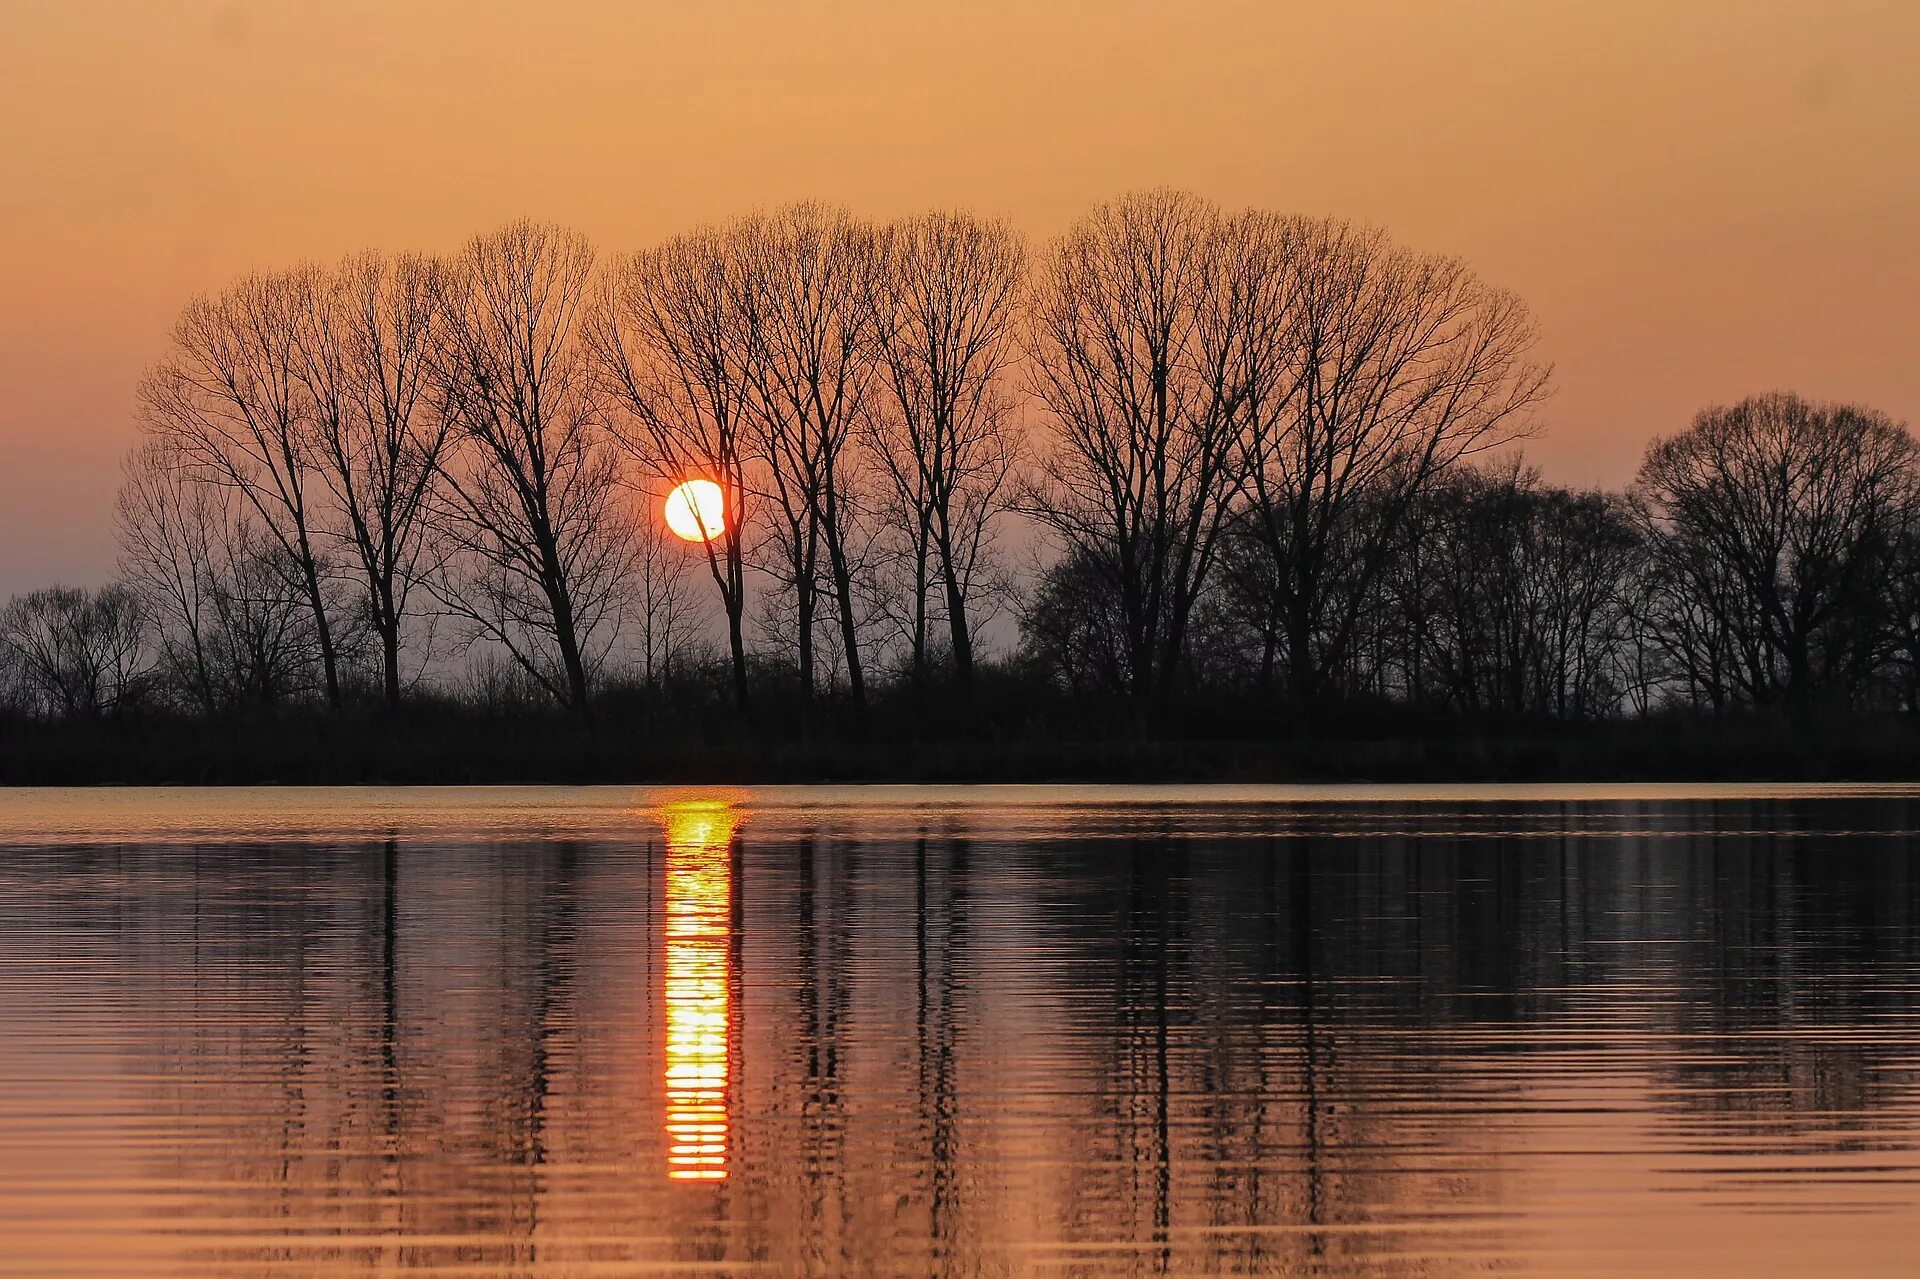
{"points": [[960, 1031]]}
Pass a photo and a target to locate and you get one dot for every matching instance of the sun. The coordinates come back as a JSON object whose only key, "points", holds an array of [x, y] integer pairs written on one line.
{"points": [[697, 511]]}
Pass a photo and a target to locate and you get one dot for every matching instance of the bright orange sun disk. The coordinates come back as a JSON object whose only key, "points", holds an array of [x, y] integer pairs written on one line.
{"points": [[697, 511]]}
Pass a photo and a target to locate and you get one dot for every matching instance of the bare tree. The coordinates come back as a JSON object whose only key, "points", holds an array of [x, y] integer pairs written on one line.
{"points": [[662, 600], [1393, 367], [230, 399], [78, 653], [366, 338], [1070, 630], [1774, 525], [805, 294], [673, 348], [16, 697], [533, 532], [230, 630], [946, 305], [1903, 603], [169, 529], [1521, 594], [1144, 340]]}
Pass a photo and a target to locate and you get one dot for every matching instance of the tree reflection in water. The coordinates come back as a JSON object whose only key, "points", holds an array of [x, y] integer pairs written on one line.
{"points": [[802, 1036]]}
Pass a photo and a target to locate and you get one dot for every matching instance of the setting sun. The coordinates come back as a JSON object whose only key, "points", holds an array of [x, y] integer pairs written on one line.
{"points": [[697, 511]]}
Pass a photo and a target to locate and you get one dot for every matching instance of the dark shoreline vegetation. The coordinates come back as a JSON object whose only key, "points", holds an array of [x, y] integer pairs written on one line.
{"points": [[448, 744], [1190, 495]]}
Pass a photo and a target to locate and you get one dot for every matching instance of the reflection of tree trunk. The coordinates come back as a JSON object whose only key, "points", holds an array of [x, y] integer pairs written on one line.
{"points": [[928, 1109], [556, 927], [1144, 965], [839, 963], [946, 1105], [819, 1031], [1163, 1128], [1303, 922], [1310, 1064], [391, 1122], [808, 991], [1270, 976]]}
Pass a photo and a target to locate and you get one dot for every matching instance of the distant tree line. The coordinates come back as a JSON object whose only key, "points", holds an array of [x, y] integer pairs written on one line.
{"points": [[1178, 456]]}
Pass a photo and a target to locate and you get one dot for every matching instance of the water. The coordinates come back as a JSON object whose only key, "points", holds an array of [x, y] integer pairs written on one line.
{"points": [[1009, 1031]]}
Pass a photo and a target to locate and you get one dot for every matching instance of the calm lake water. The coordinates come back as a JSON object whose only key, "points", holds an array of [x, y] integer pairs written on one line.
{"points": [[960, 1031]]}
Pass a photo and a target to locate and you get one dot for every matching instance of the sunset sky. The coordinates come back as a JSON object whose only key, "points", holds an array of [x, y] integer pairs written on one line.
{"points": [[1699, 200]]}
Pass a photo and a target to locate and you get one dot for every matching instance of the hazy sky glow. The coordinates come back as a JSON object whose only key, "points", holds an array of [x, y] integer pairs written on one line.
{"points": [[1699, 200]]}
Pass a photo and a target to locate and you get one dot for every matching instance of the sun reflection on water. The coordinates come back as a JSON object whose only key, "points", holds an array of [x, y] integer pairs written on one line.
{"points": [[699, 903]]}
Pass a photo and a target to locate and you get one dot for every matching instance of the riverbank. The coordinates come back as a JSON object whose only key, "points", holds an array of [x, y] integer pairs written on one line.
{"points": [[367, 748]]}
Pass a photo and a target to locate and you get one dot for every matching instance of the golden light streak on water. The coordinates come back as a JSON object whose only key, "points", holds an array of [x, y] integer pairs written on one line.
{"points": [[699, 903]]}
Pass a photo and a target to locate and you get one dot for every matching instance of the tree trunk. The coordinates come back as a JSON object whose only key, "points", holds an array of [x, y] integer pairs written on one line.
{"points": [[390, 656], [730, 576], [849, 632], [554, 583], [805, 642], [1269, 650], [920, 617], [829, 516], [570, 658], [1302, 679], [737, 644], [387, 618], [962, 633], [322, 631]]}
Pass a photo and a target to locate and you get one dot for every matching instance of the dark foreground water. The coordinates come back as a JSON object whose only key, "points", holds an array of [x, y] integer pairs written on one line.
{"points": [[905, 1032]]}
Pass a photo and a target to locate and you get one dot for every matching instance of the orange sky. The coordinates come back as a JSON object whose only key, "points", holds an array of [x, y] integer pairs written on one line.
{"points": [[1699, 200]]}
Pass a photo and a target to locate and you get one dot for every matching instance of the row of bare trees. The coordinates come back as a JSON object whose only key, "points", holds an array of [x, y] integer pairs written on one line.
{"points": [[850, 381], [1242, 450], [363, 433], [1297, 381], [873, 401], [1783, 542], [1766, 557], [489, 432]]}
